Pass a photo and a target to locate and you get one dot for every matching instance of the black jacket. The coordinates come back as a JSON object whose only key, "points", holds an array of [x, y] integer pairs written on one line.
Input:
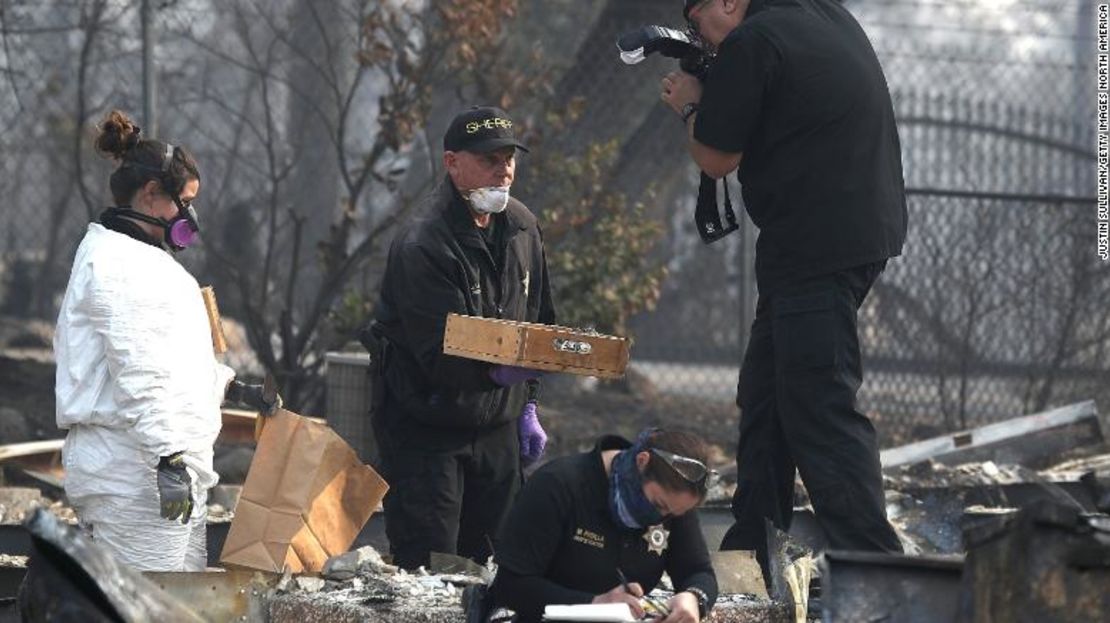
{"points": [[439, 264], [560, 544]]}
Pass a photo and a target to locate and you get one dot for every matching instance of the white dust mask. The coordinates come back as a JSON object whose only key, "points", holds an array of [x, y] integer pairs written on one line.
{"points": [[489, 200]]}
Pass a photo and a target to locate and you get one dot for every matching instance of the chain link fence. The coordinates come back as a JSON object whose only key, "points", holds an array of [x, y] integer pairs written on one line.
{"points": [[996, 308]]}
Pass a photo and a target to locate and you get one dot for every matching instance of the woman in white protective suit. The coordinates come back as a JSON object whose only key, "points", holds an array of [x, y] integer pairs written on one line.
{"points": [[138, 386]]}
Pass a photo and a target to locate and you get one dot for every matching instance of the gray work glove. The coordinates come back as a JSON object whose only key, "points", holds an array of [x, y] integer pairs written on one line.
{"points": [[263, 398], [175, 490]]}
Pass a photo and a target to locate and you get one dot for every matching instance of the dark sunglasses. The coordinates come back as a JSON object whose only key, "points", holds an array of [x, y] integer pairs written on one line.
{"points": [[692, 471]]}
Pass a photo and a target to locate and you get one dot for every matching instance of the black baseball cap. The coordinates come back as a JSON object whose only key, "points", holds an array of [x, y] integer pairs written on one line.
{"points": [[481, 129]]}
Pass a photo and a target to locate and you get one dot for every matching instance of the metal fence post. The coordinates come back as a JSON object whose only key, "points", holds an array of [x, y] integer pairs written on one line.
{"points": [[150, 120]]}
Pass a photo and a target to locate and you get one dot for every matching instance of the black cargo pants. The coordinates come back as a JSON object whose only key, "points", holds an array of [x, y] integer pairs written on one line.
{"points": [[797, 399], [449, 489]]}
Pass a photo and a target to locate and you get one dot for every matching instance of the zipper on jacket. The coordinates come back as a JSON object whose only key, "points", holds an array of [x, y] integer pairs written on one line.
{"points": [[498, 280]]}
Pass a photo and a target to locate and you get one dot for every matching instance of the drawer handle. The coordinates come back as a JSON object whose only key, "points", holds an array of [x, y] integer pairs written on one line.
{"points": [[571, 346]]}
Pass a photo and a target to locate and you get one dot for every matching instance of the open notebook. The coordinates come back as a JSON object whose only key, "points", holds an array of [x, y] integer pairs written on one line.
{"points": [[595, 613]]}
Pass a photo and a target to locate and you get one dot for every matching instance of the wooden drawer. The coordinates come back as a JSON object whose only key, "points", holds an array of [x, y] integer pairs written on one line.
{"points": [[536, 346]]}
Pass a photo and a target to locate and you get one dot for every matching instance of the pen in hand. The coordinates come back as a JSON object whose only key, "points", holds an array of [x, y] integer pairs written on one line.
{"points": [[624, 581], [658, 607]]}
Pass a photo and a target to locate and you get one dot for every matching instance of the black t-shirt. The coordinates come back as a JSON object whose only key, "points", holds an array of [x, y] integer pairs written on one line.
{"points": [[491, 235], [560, 544], [798, 90]]}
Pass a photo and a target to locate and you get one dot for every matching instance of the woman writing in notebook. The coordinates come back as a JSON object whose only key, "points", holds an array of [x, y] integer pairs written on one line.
{"points": [[603, 526]]}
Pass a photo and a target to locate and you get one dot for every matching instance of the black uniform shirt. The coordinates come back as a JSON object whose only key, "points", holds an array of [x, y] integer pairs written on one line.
{"points": [[560, 545], [798, 90]]}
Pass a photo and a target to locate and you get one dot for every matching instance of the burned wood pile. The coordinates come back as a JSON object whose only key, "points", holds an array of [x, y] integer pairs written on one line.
{"points": [[1002, 523], [1006, 522]]}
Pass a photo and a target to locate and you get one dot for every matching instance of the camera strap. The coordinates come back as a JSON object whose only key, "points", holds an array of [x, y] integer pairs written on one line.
{"points": [[706, 214]]}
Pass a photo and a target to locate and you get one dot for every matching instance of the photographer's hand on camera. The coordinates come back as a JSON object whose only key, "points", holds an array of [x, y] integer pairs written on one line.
{"points": [[681, 89]]}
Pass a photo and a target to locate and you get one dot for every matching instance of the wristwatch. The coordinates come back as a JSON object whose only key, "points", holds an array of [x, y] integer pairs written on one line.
{"points": [[688, 110], [703, 600]]}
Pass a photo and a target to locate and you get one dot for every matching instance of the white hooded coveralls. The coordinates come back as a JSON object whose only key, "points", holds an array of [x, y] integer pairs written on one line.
{"points": [[137, 380]]}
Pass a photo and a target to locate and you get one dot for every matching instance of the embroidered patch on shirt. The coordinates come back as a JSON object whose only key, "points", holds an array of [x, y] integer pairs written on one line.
{"points": [[587, 537]]}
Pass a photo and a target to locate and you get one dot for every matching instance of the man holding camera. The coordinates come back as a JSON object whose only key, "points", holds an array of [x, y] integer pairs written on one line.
{"points": [[795, 100]]}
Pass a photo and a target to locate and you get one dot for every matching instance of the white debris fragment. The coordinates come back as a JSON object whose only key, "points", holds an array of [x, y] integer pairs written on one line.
{"points": [[363, 577], [370, 560], [286, 581], [310, 584], [367, 555]]}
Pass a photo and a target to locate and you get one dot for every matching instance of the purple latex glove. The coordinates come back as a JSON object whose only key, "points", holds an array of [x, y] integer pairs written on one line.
{"points": [[532, 438], [511, 375]]}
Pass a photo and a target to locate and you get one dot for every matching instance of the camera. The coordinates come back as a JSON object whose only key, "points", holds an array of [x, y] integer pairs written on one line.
{"points": [[695, 60], [636, 45]]}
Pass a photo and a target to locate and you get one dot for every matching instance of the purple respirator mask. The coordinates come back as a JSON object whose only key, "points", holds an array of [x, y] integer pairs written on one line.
{"points": [[182, 232]]}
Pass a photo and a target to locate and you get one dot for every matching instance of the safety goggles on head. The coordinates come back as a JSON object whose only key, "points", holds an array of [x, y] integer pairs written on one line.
{"points": [[692, 471]]}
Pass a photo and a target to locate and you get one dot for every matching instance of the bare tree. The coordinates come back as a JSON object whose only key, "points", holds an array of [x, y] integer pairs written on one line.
{"points": [[400, 54]]}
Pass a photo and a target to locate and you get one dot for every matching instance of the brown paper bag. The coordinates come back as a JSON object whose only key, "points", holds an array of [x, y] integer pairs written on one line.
{"points": [[306, 498]]}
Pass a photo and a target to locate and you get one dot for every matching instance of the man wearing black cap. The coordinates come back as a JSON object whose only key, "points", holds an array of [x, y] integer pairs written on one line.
{"points": [[795, 100], [454, 432]]}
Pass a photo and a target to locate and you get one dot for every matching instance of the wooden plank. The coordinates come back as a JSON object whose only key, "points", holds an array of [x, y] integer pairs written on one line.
{"points": [[219, 342], [493, 341], [239, 426], [38, 461], [1024, 440], [30, 449]]}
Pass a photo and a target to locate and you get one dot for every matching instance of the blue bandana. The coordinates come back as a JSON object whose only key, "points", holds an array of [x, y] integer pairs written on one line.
{"points": [[627, 502]]}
